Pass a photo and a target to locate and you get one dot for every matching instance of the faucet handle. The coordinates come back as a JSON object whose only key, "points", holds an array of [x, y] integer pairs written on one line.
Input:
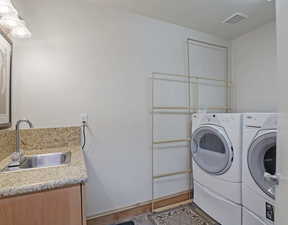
{"points": [[17, 156], [16, 159]]}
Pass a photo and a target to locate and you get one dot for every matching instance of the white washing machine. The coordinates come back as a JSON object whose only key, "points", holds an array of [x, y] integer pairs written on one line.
{"points": [[216, 151], [259, 168]]}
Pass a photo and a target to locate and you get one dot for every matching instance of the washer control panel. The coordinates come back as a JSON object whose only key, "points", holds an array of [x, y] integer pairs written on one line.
{"points": [[261, 122]]}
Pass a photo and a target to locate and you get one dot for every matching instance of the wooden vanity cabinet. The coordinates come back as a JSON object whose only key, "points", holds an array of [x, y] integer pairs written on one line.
{"points": [[62, 206]]}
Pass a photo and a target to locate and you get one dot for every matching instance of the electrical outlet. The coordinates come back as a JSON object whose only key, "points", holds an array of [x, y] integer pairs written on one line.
{"points": [[84, 117]]}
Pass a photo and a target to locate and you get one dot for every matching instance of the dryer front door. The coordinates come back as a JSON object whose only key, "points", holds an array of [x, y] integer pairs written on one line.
{"points": [[212, 149], [261, 160]]}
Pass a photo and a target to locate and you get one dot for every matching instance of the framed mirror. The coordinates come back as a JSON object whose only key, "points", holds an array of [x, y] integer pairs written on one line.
{"points": [[5, 81]]}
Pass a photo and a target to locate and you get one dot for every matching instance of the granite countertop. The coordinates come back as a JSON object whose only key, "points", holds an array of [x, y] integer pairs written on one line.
{"points": [[34, 180]]}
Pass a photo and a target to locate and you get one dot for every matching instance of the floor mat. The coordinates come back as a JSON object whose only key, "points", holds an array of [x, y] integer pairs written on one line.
{"points": [[183, 215], [127, 223]]}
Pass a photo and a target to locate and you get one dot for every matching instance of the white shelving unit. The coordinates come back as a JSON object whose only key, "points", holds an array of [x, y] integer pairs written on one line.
{"points": [[186, 91]]}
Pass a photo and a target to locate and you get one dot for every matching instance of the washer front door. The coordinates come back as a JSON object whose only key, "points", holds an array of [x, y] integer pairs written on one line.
{"points": [[261, 159], [212, 149]]}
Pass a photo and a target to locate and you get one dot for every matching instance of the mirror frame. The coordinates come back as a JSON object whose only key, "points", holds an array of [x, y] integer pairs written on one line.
{"points": [[9, 124]]}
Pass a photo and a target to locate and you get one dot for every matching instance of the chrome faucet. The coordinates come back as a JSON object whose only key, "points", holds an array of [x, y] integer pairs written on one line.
{"points": [[17, 155]]}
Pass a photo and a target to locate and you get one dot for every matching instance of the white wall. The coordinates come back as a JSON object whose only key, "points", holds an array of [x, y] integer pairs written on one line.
{"points": [[98, 61], [282, 153], [254, 70]]}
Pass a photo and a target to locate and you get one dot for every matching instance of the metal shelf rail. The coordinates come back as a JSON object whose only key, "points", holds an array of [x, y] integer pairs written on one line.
{"points": [[185, 110]]}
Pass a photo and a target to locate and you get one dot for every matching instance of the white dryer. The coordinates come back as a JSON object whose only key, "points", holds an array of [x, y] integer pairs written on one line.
{"points": [[259, 168], [216, 151]]}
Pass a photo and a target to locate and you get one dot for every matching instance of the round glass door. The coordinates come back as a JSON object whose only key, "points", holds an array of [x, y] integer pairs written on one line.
{"points": [[212, 150], [262, 161]]}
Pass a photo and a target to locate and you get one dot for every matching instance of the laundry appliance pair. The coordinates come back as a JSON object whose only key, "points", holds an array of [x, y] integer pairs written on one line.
{"points": [[234, 166]]}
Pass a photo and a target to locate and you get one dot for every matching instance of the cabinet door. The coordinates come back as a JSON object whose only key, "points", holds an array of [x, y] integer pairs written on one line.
{"points": [[56, 207]]}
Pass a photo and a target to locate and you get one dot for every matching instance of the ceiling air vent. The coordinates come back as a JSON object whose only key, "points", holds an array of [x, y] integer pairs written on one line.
{"points": [[235, 18]]}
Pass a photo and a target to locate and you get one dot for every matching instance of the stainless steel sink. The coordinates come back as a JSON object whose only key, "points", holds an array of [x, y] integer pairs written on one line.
{"points": [[41, 161]]}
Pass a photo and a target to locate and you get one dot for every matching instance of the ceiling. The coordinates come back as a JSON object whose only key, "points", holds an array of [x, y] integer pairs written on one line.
{"points": [[202, 15]]}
